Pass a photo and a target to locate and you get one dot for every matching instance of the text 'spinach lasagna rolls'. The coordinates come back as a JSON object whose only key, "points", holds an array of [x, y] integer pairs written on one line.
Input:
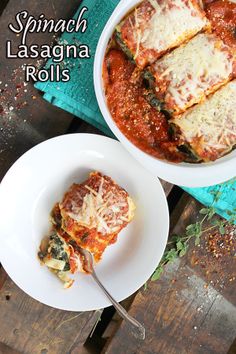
{"points": [[191, 72], [156, 26], [94, 212], [209, 129]]}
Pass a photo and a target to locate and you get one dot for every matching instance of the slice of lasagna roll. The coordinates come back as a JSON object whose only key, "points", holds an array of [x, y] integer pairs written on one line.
{"points": [[155, 26], [94, 212], [89, 217], [209, 129], [191, 72]]}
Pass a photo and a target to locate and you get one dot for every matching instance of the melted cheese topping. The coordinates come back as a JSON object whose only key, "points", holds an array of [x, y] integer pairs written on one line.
{"points": [[172, 23], [102, 211], [211, 126], [194, 70]]}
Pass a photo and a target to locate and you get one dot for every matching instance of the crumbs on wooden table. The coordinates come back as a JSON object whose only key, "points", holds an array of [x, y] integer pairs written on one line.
{"points": [[215, 255]]}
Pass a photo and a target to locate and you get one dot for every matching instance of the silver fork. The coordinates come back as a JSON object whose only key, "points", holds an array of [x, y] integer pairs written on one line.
{"points": [[137, 329]]}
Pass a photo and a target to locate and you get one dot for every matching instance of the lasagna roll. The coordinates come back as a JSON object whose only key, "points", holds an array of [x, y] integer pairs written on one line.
{"points": [[89, 217], [209, 129], [155, 26], [191, 72], [94, 212]]}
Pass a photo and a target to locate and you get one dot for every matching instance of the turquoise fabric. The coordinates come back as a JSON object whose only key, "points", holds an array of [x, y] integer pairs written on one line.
{"points": [[227, 199], [78, 97]]}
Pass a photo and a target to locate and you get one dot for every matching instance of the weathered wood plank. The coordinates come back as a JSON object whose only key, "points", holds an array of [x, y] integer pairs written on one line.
{"points": [[184, 312], [3, 4], [31, 327], [84, 127], [25, 118], [3, 277], [4, 349], [166, 186]]}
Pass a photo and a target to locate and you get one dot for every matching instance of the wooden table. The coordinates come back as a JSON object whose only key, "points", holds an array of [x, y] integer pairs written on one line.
{"points": [[191, 309]]}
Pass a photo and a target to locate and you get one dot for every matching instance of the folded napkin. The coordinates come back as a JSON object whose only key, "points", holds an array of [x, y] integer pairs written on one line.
{"points": [[78, 97]]}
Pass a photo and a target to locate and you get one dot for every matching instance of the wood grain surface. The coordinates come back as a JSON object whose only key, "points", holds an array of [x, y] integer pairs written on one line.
{"points": [[4, 349], [33, 328], [191, 309], [25, 118]]}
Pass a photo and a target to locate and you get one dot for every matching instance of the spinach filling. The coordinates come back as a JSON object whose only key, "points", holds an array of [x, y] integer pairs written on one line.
{"points": [[123, 46], [57, 250], [148, 80], [191, 156], [154, 102], [149, 84]]}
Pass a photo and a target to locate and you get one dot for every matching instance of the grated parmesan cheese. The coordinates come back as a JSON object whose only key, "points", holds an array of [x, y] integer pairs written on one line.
{"points": [[210, 127], [99, 210], [193, 71], [172, 23]]}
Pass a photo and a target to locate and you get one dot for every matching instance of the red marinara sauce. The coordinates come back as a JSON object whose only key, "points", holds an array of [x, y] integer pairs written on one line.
{"points": [[222, 15], [142, 124]]}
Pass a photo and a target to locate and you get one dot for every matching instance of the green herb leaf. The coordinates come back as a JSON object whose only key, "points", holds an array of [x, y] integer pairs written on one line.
{"points": [[222, 229], [215, 222], [180, 243], [191, 230], [211, 213], [171, 255], [197, 240], [189, 227], [183, 251], [204, 211], [198, 229], [179, 246], [176, 238], [156, 275]]}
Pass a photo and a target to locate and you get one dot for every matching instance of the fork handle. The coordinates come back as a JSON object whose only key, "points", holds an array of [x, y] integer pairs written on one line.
{"points": [[137, 328]]}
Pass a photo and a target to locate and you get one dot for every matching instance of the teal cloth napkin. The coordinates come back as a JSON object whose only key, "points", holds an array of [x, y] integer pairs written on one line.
{"points": [[78, 97], [224, 203]]}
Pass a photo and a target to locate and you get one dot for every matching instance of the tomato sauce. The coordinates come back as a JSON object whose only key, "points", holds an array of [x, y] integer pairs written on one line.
{"points": [[222, 15], [144, 12], [142, 124]]}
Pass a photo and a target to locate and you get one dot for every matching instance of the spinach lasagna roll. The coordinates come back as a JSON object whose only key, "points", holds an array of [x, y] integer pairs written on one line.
{"points": [[89, 217], [94, 212], [209, 129], [155, 26], [191, 72]]}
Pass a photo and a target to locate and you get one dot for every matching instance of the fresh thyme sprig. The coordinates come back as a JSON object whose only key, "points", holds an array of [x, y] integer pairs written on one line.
{"points": [[179, 244]]}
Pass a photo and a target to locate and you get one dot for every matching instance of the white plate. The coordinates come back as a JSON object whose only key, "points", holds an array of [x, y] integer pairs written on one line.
{"points": [[190, 175], [38, 180]]}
